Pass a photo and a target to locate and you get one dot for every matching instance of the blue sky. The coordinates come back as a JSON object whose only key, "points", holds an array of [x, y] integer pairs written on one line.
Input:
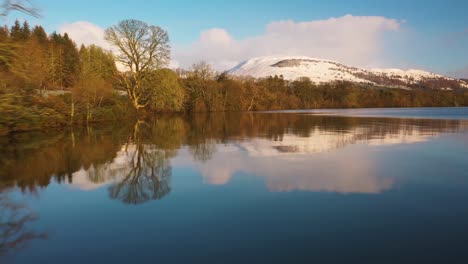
{"points": [[432, 34]]}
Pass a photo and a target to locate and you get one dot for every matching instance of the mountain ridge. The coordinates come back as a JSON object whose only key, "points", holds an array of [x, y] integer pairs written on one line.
{"points": [[324, 70]]}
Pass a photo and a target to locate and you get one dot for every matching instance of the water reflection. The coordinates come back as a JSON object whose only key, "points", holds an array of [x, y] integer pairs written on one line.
{"points": [[146, 172], [289, 151], [15, 218], [339, 172]]}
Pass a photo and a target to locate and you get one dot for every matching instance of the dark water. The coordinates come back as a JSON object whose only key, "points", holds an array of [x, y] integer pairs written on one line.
{"points": [[240, 188]]}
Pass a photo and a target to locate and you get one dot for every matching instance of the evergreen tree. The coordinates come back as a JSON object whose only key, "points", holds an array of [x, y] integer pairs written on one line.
{"points": [[31, 60], [71, 61], [39, 33], [55, 64], [16, 31], [25, 31], [64, 65]]}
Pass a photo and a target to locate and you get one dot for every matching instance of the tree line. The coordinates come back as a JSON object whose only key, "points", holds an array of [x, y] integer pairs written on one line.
{"points": [[48, 81]]}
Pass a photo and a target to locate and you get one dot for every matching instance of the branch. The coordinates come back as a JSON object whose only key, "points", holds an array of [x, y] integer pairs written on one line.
{"points": [[19, 5]]}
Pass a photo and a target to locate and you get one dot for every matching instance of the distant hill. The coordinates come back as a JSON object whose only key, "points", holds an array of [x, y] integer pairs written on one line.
{"points": [[322, 71]]}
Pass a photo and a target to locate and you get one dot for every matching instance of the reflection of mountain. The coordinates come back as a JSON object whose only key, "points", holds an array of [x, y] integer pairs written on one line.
{"points": [[291, 151], [320, 160], [323, 141]]}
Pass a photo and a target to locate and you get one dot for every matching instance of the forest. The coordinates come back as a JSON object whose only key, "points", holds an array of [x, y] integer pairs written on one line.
{"points": [[48, 81]]}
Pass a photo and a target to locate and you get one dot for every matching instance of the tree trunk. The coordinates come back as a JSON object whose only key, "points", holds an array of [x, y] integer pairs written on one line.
{"points": [[72, 112]]}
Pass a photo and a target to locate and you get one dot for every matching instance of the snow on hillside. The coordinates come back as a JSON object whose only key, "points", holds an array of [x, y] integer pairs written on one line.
{"points": [[416, 75], [292, 68], [322, 71]]}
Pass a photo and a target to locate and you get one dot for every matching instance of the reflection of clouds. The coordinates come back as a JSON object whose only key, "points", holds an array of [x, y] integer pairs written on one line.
{"points": [[101, 175], [290, 144], [334, 172], [334, 160], [216, 176], [82, 182], [138, 173], [319, 162]]}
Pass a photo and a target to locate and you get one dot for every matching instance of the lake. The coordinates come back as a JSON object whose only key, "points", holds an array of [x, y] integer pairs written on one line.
{"points": [[328, 186]]}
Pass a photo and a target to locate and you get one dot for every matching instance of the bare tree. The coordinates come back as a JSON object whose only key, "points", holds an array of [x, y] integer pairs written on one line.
{"points": [[15, 221], [18, 5], [142, 48]]}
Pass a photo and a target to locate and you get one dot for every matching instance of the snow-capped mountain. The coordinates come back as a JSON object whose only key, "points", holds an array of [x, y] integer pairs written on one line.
{"points": [[322, 71]]}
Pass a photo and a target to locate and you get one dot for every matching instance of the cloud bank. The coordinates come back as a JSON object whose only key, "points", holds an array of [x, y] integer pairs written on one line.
{"points": [[83, 32], [356, 40]]}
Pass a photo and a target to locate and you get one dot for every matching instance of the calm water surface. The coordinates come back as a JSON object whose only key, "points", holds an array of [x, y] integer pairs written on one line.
{"points": [[292, 187]]}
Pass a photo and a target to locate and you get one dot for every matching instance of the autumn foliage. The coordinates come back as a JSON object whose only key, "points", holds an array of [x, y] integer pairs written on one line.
{"points": [[47, 81]]}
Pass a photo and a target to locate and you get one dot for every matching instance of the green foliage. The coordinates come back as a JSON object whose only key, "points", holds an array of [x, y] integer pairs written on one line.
{"points": [[275, 93], [6, 54], [47, 82], [19, 115], [167, 93]]}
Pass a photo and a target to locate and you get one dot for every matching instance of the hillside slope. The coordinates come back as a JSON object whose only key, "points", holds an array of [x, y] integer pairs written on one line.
{"points": [[322, 71]]}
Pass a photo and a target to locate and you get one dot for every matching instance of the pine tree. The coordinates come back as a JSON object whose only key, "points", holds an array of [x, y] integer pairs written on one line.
{"points": [[55, 64], [25, 31], [39, 33], [15, 32], [31, 64], [71, 61]]}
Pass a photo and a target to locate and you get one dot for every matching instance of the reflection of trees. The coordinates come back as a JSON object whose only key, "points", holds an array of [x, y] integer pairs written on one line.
{"points": [[148, 171], [32, 160], [201, 138], [203, 151], [148, 177], [14, 221]]}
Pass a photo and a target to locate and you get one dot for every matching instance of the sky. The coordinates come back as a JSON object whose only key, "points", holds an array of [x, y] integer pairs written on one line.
{"points": [[430, 35]]}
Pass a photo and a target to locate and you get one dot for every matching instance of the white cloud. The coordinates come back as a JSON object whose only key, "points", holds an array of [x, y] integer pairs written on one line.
{"points": [[83, 32], [356, 40], [87, 33]]}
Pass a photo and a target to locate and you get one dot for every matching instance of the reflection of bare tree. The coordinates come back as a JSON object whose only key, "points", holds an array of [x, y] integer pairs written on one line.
{"points": [[149, 171], [95, 157], [203, 151], [14, 218]]}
